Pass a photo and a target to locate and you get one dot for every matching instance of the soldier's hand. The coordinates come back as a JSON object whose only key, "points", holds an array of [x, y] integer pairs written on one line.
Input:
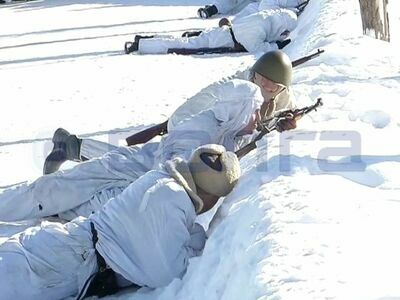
{"points": [[286, 124]]}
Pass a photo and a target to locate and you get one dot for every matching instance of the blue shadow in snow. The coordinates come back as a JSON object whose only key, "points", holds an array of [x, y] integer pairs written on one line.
{"points": [[59, 58], [104, 26], [90, 38], [33, 5], [354, 168]]}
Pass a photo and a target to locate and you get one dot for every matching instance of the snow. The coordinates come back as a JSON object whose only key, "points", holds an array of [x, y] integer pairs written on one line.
{"points": [[315, 214]]}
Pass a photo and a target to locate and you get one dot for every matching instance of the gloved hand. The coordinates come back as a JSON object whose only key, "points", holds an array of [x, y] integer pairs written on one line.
{"points": [[197, 238], [287, 123], [282, 44]]}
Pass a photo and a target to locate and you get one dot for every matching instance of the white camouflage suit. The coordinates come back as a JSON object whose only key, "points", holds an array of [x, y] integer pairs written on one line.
{"points": [[257, 32], [54, 261], [264, 4], [254, 7], [86, 187], [199, 102], [246, 7], [195, 104]]}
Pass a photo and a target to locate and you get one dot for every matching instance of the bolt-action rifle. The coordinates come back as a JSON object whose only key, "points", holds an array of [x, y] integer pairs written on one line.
{"points": [[161, 129], [271, 124], [220, 50], [201, 51]]}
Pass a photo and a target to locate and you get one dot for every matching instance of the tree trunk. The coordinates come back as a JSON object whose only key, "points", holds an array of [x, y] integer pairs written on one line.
{"points": [[375, 18]]}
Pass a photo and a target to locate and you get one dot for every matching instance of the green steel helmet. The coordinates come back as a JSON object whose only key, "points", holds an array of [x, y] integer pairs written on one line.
{"points": [[276, 66]]}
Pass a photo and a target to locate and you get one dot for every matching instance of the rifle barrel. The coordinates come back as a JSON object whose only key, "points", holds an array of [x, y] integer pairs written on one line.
{"points": [[304, 59]]}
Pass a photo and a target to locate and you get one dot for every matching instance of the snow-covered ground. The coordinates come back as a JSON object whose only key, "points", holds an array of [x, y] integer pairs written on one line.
{"points": [[316, 212]]}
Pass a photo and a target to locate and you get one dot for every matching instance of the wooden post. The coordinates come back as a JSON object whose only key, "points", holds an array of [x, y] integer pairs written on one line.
{"points": [[375, 18]]}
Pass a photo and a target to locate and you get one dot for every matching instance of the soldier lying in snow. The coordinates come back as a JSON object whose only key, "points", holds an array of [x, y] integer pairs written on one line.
{"points": [[263, 31], [55, 261], [224, 7], [246, 7], [223, 114]]}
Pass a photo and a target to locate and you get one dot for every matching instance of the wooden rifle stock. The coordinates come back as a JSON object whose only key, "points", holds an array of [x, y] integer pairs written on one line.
{"points": [[146, 135]]}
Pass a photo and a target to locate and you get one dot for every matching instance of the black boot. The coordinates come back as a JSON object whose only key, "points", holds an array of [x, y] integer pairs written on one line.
{"points": [[191, 33], [54, 161], [138, 37], [131, 47], [66, 146], [207, 11]]}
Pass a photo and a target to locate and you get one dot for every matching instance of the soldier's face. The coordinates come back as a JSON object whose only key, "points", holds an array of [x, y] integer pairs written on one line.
{"points": [[208, 200], [268, 88]]}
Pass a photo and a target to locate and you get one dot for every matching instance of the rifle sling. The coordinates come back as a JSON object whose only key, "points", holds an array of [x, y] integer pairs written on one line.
{"points": [[237, 46], [104, 282]]}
